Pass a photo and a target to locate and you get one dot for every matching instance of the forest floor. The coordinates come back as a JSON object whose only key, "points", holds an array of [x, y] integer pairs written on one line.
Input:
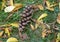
{"points": [[35, 36]]}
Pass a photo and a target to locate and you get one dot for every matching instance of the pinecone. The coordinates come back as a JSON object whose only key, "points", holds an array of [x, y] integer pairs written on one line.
{"points": [[25, 17]]}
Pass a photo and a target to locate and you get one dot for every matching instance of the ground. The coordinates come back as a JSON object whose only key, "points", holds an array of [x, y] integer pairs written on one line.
{"points": [[35, 36]]}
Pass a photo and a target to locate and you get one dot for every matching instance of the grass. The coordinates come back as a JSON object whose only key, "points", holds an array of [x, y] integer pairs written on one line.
{"points": [[35, 36]]}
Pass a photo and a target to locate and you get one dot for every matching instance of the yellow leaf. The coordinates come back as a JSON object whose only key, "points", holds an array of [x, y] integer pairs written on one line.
{"points": [[7, 31], [48, 3], [43, 35], [51, 9], [59, 5], [58, 18], [57, 40], [42, 16], [53, 5], [11, 2], [3, 4], [40, 7], [58, 37], [17, 6], [39, 20], [1, 33], [15, 24], [32, 27], [38, 23], [12, 39]]}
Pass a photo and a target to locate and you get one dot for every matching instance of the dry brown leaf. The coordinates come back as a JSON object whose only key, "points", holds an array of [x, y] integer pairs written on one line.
{"points": [[1, 41], [2, 28], [1, 33], [4, 36], [49, 31], [45, 30], [44, 33], [58, 18], [32, 27], [40, 7]]}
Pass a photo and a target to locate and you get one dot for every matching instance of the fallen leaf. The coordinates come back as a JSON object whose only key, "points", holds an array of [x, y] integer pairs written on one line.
{"points": [[4, 36], [50, 6], [57, 40], [12, 39], [44, 33], [59, 5], [51, 9], [15, 24], [40, 7], [58, 37], [42, 16], [32, 27], [7, 31], [48, 3], [58, 18], [9, 8], [38, 23], [17, 6], [3, 4], [53, 5], [11, 2], [39, 20], [1, 33]]}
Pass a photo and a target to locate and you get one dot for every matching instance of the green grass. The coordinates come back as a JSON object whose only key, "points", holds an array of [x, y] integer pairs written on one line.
{"points": [[35, 36]]}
